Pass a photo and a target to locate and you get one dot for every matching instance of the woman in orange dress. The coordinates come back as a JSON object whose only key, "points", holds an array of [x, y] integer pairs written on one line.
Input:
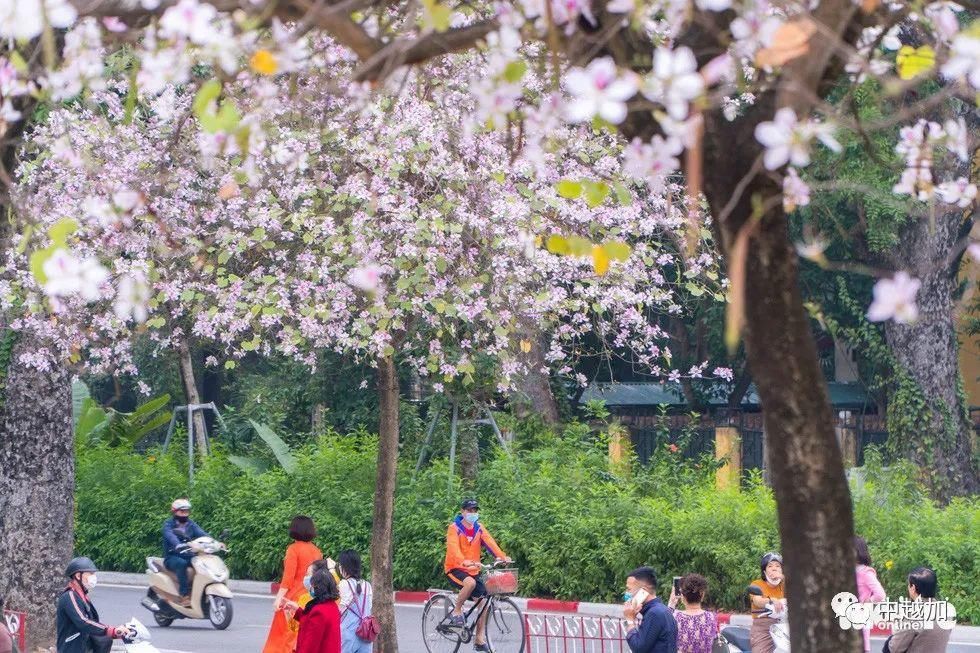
{"points": [[299, 556]]}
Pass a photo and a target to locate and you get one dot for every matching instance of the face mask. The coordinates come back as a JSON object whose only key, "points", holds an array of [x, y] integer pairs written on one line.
{"points": [[773, 582], [471, 517], [181, 519], [90, 582], [627, 596], [308, 584]]}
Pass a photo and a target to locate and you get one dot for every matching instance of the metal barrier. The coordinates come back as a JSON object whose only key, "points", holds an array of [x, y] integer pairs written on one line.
{"points": [[575, 634]]}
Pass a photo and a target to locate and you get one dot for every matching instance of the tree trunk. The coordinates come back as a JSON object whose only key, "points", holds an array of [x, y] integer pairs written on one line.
{"points": [[812, 497], [936, 436], [37, 483], [192, 396], [532, 394], [384, 504], [469, 453]]}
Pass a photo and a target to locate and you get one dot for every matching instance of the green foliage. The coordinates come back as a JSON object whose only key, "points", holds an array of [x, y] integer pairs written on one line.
{"points": [[7, 342], [94, 424], [574, 528]]}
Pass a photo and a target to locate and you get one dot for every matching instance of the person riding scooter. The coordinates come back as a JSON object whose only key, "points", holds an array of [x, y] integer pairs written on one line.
{"points": [[77, 620], [177, 530]]}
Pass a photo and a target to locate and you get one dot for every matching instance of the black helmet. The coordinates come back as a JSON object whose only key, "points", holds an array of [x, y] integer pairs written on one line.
{"points": [[78, 565], [469, 504], [772, 556]]}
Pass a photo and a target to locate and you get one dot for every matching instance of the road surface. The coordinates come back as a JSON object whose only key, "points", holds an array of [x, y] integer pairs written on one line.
{"points": [[253, 614]]}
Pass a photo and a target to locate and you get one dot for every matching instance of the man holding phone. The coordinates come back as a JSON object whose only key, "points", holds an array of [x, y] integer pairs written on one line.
{"points": [[657, 630]]}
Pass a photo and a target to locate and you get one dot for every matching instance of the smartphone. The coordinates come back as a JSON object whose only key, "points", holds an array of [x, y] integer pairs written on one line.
{"points": [[640, 597], [677, 585]]}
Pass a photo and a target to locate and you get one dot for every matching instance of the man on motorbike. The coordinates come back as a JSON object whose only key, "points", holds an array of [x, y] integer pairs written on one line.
{"points": [[77, 620], [178, 530], [771, 585], [465, 540]]}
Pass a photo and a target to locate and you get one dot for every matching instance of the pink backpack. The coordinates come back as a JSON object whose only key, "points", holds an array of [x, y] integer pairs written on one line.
{"points": [[368, 629]]}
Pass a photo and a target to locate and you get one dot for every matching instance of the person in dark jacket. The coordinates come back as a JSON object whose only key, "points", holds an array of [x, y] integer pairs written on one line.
{"points": [[177, 530], [657, 630], [77, 620]]}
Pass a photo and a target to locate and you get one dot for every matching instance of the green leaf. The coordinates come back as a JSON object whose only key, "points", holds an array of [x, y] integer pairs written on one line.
{"points": [[617, 250], [569, 189], [435, 15], [279, 448], [515, 71], [38, 259], [557, 245], [249, 464], [595, 193], [579, 246], [17, 61], [623, 195], [156, 322], [208, 92], [61, 229], [79, 393], [230, 365]]}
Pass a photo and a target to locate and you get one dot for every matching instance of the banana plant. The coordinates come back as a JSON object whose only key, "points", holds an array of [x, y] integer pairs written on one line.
{"points": [[281, 450], [97, 425]]}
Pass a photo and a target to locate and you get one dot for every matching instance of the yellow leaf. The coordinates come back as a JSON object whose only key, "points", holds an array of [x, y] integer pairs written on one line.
{"points": [[436, 15], [264, 62], [617, 250], [791, 41], [525, 346], [912, 62], [600, 260]]}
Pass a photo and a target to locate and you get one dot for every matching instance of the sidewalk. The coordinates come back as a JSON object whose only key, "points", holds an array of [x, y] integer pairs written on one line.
{"points": [[961, 634]]}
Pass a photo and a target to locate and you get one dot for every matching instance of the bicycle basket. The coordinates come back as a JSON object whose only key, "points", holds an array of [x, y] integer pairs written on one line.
{"points": [[501, 581]]}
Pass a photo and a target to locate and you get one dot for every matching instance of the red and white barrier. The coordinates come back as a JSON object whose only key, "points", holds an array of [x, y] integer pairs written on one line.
{"points": [[16, 624]]}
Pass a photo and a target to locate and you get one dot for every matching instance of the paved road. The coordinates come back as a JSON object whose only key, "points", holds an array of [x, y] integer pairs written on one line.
{"points": [[253, 614]]}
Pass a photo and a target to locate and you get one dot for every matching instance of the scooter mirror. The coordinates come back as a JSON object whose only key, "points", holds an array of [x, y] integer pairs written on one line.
{"points": [[754, 590]]}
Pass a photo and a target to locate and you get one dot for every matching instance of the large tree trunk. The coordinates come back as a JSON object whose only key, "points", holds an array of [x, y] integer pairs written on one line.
{"points": [[938, 437], [37, 484], [192, 396], [384, 505], [812, 497], [532, 393]]}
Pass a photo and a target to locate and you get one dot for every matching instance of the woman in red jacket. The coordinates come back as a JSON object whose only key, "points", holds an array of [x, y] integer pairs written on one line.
{"points": [[319, 621]]}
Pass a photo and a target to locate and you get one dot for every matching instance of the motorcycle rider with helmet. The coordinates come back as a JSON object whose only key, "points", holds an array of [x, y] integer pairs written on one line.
{"points": [[177, 530], [77, 620], [772, 585]]}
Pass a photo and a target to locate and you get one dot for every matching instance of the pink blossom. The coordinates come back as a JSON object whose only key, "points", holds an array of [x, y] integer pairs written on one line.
{"points": [[674, 81], [598, 89], [894, 299]]}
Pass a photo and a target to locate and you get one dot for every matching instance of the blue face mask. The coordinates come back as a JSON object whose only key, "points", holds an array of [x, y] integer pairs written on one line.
{"points": [[308, 584], [471, 517], [627, 596]]}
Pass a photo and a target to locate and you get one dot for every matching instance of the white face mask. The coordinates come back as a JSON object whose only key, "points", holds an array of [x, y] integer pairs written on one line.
{"points": [[91, 581]]}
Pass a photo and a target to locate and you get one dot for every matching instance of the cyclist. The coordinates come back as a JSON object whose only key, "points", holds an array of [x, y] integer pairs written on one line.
{"points": [[465, 540]]}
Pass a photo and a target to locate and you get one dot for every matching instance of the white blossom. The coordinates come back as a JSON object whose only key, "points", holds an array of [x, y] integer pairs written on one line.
{"points": [[598, 89], [894, 299]]}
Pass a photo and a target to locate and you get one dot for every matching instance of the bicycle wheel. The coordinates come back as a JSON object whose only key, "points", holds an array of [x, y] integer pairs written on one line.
{"points": [[435, 616], [506, 630]]}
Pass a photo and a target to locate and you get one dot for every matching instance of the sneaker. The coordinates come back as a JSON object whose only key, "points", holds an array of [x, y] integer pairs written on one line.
{"points": [[457, 621], [482, 647]]}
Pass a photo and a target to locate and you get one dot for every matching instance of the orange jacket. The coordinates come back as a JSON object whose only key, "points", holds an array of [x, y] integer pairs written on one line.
{"points": [[463, 543]]}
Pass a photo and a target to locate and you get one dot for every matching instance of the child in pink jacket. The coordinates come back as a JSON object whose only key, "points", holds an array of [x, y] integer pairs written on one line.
{"points": [[869, 588]]}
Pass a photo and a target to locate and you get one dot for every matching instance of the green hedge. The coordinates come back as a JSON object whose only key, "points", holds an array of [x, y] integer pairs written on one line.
{"points": [[574, 528]]}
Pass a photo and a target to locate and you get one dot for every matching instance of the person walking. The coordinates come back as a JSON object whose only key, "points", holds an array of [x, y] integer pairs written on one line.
{"points": [[869, 588], [77, 621], [319, 621], [697, 628], [299, 556], [657, 630], [356, 602]]}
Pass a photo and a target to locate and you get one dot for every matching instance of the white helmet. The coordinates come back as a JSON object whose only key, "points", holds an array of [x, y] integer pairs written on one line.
{"points": [[180, 504]]}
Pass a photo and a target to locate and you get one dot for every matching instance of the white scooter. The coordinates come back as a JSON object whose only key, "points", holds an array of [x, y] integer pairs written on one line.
{"points": [[138, 640], [210, 596], [738, 638]]}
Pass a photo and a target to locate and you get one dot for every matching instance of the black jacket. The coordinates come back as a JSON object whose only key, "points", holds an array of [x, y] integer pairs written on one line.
{"points": [[77, 620]]}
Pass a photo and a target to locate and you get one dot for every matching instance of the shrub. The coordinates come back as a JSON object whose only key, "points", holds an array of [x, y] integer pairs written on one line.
{"points": [[574, 528]]}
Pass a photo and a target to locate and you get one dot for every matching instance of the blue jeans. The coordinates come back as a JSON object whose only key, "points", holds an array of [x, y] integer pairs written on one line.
{"points": [[178, 565]]}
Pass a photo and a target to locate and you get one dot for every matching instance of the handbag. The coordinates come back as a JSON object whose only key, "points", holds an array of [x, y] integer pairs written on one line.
{"points": [[719, 644], [368, 628]]}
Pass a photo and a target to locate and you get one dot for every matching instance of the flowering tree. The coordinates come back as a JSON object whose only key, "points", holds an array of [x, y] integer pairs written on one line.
{"points": [[386, 228], [734, 84]]}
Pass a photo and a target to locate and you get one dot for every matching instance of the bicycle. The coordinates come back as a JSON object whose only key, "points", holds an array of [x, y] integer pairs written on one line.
{"points": [[506, 630]]}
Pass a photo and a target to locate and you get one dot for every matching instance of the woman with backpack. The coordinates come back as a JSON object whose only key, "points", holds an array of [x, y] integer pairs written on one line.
{"points": [[357, 627]]}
